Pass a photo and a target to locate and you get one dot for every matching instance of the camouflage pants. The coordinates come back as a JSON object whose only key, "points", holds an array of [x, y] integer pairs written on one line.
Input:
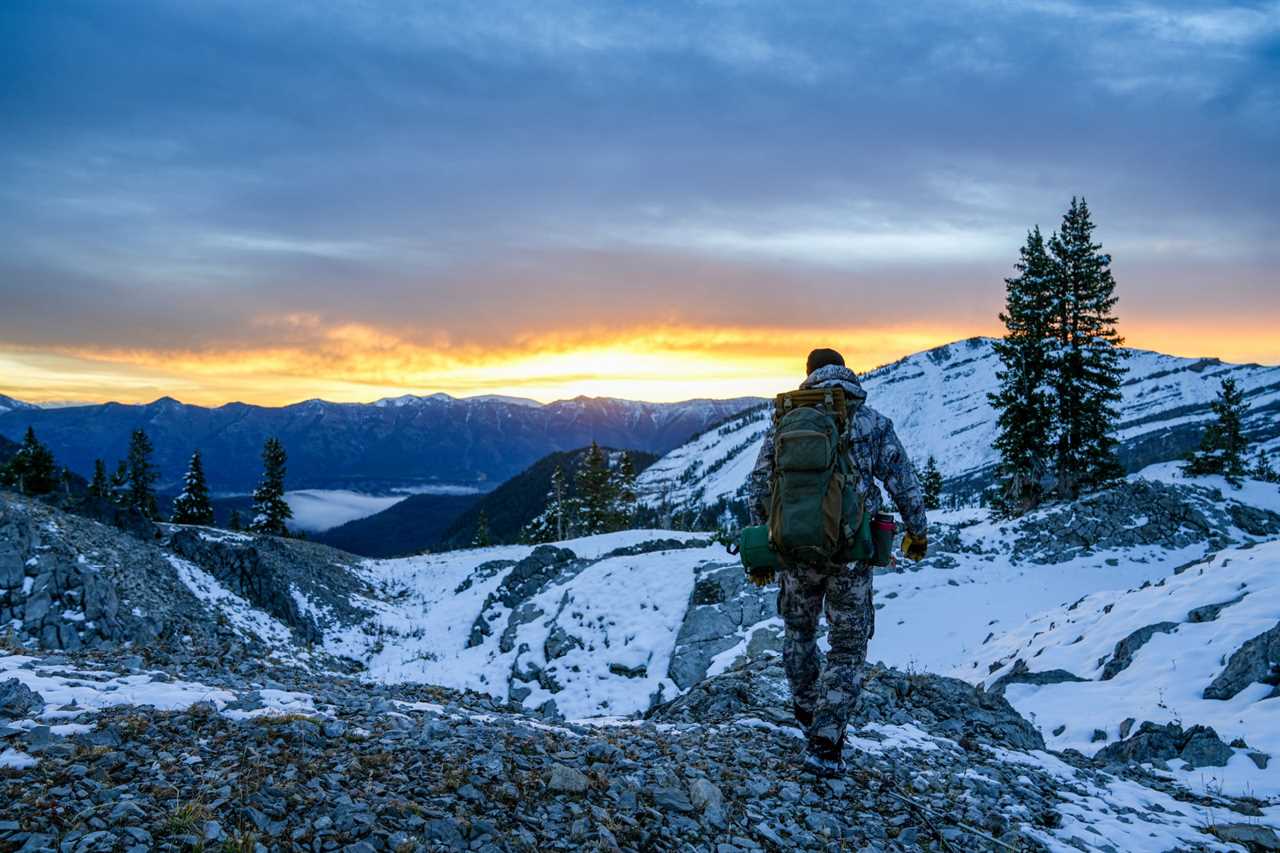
{"points": [[830, 692]]}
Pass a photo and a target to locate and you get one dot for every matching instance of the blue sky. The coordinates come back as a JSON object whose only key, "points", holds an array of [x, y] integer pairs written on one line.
{"points": [[267, 200]]}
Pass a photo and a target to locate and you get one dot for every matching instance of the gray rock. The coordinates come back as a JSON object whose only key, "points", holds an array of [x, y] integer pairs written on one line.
{"points": [[567, 780], [18, 701], [1199, 746], [1021, 674], [1257, 660], [1210, 612], [1126, 648], [1251, 836]]}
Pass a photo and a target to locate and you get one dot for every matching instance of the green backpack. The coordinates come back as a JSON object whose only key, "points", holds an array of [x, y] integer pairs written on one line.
{"points": [[816, 516]]}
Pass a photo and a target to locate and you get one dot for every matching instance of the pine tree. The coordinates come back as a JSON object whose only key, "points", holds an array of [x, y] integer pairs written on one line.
{"points": [[193, 506], [932, 484], [596, 492], [120, 482], [235, 522], [1223, 445], [270, 510], [32, 470], [1085, 367], [1023, 401], [140, 493], [626, 501], [555, 521], [1263, 469], [98, 486], [482, 539]]}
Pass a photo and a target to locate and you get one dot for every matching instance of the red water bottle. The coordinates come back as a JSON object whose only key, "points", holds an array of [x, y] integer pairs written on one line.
{"points": [[883, 529]]}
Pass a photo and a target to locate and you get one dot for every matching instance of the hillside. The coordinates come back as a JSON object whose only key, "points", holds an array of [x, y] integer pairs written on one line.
{"points": [[406, 442], [624, 690], [410, 526], [938, 403], [518, 501]]}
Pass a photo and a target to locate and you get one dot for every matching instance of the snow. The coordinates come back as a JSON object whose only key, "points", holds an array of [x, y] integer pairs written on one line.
{"points": [[1167, 677], [15, 759], [626, 611], [240, 613], [938, 403], [317, 510]]}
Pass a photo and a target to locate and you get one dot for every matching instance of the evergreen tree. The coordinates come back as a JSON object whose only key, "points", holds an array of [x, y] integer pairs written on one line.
{"points": [[1023, 401], [932, 484], [1085, 366], [98, 486], [140, 493], [193, 506], [596, 492], [270, 510], [626, 501], [1263, 469], [32, 470], [555, 521], [482, 539], [235, 522], [1222, 445], [120, 482]]}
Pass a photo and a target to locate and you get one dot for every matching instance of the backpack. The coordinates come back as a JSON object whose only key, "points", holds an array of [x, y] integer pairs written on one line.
{"points": [[816, 515]]}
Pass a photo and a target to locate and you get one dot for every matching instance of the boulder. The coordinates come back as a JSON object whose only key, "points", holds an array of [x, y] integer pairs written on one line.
{"points": [[1257, 660], [1199, 746], [17, 700]]}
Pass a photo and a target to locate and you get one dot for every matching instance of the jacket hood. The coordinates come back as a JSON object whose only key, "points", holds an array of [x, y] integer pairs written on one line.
{"points": [[835, 374]]}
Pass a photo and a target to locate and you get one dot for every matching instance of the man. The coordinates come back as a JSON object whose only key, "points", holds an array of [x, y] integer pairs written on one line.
{"points": [[824, 698]]}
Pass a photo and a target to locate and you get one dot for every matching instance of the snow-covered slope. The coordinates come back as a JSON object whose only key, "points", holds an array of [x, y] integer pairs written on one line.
{"points": [[938, 402], [8, 404]]}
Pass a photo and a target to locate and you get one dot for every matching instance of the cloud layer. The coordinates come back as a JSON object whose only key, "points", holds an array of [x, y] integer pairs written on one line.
{"points": [[373, 196]]}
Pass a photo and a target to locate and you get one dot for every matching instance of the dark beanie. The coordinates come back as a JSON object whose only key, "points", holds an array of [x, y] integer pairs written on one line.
{"points": [[821, 358]]}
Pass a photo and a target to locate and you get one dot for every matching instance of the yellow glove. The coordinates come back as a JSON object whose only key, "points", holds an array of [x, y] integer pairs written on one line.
{"points": [[915, 547], [761, 577]]}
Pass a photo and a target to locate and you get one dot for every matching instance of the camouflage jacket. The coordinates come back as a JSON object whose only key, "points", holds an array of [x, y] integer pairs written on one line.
{"points": [[876, 451]]}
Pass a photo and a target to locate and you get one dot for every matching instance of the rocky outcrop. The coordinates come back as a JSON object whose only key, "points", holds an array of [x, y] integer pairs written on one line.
{"points": [[722, 609], [1022, 674], [18, 701], [945, 707], [1198, 746], [1258, 660], [269, 572], [1128, 647], [70, 583]]}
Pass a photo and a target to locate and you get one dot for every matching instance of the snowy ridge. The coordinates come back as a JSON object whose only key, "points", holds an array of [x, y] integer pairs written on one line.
{"points": [[8, 404], [938, 403]]}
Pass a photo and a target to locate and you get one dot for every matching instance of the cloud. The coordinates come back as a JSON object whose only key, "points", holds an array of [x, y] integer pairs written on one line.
{"points": [[461, 178]]}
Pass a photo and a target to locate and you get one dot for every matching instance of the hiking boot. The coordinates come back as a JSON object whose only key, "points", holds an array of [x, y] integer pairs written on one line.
{"points": [[824, 758], [804, 716]]}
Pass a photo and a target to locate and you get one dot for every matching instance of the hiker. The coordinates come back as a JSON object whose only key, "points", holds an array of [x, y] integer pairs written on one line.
{"points": [[824, 698]]}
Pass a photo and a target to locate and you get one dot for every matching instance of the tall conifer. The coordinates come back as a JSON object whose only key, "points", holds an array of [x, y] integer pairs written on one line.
{"points": [[1085, 365], [1223, 445], [98, 486], [931, 483], [270, 510], [193, 506], [140, 475], [596, 492], [1023, 401]]}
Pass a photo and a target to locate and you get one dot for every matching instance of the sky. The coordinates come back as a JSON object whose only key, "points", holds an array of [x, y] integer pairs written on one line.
{"points": [[235, 200]]}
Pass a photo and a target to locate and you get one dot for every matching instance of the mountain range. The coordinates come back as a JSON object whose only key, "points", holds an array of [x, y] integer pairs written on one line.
{"points": [[937, 400], [410, 442]]}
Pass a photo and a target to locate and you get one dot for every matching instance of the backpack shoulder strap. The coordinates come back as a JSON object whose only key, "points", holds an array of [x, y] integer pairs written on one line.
{"points": [[831, 399]]}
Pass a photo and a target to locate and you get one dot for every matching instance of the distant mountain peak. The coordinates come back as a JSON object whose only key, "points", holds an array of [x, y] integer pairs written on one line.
{"points": [[9, 404]]}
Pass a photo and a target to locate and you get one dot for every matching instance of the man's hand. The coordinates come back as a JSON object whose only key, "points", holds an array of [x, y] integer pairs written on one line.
{"points": [[914, 547]]}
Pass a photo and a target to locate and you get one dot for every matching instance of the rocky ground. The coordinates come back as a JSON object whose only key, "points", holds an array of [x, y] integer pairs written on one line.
{"points": [[251, 757], [180, 688]]}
